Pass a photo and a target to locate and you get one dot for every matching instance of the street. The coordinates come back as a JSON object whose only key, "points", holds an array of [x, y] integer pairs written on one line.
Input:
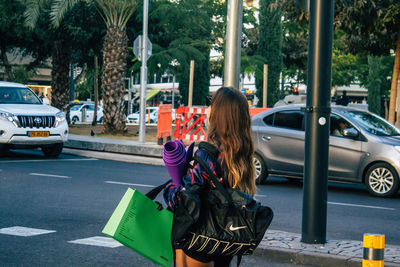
{"points": [[72, 198]]}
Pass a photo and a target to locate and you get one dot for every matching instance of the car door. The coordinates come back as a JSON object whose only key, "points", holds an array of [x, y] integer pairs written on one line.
{"points": [[281, 141], [345, 153], [89, 113]]}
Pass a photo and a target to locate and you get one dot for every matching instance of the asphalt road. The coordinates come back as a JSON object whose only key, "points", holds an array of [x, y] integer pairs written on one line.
{"points": [[75, 196]]}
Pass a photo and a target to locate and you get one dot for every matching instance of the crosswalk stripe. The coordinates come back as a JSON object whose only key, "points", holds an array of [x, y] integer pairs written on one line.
{"points": [[99, 241], [24, 231]]}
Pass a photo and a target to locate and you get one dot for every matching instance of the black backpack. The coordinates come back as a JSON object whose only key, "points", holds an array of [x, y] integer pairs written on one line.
{"points": [[218, 220]]}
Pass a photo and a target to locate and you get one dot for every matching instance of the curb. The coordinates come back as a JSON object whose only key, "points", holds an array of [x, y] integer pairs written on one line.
{"points": [[114, 146]]}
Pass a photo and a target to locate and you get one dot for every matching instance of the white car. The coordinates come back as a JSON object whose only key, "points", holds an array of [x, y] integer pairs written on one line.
{"points": [[75, 113], [135, 117], [25, 122]]}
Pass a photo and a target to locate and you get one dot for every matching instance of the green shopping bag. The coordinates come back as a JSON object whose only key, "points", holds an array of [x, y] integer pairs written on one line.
{"points": [[142, 226]]}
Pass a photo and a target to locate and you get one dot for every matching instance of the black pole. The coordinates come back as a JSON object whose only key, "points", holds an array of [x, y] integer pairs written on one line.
{"points": [[317, 112]]}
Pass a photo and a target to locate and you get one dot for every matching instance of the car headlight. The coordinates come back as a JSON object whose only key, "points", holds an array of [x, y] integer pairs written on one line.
{"points": [[397, 148], [9, 117], [60, 117]]}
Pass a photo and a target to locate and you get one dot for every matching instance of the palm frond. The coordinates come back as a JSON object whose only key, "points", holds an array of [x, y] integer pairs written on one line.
{"points": [[32, 12], [59, 9]]}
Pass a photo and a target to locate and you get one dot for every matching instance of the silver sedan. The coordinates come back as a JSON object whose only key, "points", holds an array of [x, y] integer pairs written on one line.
{"points": [[363, 147]]}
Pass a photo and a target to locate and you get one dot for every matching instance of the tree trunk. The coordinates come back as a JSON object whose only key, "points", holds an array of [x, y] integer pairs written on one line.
{"points": [[6, 63], [96, 89], [395, 76], [60, 77], [114, 68]]}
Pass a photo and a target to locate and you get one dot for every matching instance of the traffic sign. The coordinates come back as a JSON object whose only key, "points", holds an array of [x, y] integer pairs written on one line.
{"points": [[137, 47]]}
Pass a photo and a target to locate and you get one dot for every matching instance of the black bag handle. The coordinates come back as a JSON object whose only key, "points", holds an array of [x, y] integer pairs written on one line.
{"points": [[214, 179], [155, 191]]}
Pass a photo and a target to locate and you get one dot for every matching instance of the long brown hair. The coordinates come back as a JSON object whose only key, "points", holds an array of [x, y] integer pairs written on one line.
{"points": [[230, 129]]}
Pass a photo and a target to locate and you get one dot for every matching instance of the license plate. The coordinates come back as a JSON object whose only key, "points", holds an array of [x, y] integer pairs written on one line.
{"points": [[38, 134]]}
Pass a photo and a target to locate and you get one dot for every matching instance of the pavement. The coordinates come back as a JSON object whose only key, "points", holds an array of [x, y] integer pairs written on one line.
{"points": [[276, 245]]}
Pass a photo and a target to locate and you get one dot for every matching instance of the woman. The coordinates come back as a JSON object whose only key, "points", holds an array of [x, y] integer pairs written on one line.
{"points": [[230, 131]]}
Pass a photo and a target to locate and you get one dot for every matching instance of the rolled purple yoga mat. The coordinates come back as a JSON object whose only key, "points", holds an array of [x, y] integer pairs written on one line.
{"points": [[176, 159]]}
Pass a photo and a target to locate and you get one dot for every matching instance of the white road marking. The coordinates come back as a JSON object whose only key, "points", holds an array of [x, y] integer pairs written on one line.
{"points": [[361, 206], [260, 195], [142, 185], [49, 175], [99, 241], [24, 231], [42, 160]]}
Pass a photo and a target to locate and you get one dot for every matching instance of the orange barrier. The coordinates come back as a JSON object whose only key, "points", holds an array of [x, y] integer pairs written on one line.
{"points": [[189, 123], [255, 111], [164, 122]]}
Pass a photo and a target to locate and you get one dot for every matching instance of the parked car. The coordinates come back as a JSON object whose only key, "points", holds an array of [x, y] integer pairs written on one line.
{"points": [[135, 117], [363, 147], [75, 113], [25, 122]]}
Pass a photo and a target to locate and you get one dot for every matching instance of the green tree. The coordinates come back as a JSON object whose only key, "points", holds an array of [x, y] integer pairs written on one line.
{"points": [[270, 47], [374, 85], [376, 31], [184, 32], [16, 38], [37, 13], [115, 15]]}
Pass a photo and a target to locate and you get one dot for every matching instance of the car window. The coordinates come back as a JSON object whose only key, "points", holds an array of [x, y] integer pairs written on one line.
{"points": [[292, 119], [90, 107], [75, 107], [338, 125], [269, 120], [373, 123]]}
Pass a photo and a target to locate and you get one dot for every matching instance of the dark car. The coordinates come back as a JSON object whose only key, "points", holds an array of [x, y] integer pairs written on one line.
{"points": [[363, 147]]}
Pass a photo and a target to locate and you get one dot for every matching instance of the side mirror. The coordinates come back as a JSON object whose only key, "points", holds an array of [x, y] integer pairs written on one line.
{"points": [[351, 132]]}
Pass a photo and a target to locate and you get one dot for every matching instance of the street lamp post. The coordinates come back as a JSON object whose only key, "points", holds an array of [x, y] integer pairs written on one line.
{"points": [[317, 114], [143, 75], [233, 43]]}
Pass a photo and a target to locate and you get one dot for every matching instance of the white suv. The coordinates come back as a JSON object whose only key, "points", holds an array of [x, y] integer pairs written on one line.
{"points": [[25, 122]]}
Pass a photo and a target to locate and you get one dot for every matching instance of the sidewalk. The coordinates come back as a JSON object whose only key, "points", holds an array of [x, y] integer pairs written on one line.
{"points": [[276, 245]]}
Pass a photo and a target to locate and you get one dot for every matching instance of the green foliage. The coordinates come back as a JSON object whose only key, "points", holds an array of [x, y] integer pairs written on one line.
{"points": [[181, 31], [371, 26], [270, 47], [344, 68], [85, 89], [374, 85], [21, 74]]}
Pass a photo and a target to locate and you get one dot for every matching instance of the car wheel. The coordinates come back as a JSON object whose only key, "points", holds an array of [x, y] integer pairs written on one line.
{"points": [[101, 120], [382, 180], [52, 151], [261, 169], [74, 119]]}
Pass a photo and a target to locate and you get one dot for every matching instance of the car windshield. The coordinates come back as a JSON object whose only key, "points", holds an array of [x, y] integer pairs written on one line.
{"points": [[373, 124], [76, 107], [18, 95]]}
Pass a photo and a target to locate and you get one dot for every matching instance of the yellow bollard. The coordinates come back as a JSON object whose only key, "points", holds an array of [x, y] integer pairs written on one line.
{"points": [[374, 247]]}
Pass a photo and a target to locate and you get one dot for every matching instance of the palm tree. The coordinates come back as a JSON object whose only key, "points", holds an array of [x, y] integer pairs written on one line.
{"points": [[115, 14], [35, 10]]}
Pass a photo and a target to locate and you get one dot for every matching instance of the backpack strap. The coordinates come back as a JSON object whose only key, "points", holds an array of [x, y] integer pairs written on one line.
{"points": [[210, 149], [213, 152]]}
